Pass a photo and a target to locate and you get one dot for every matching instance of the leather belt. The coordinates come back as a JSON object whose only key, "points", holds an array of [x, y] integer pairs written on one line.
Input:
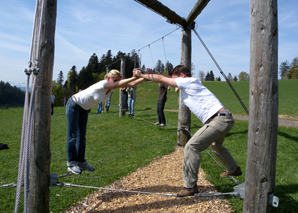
{"points": [[218, 114]]}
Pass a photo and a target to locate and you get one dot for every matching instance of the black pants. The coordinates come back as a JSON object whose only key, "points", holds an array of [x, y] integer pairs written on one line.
{"points": [[160, 113], [52, 107]]}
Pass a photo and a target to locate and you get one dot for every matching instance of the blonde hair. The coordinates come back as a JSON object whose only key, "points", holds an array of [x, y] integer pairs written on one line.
{"points": [[112, 74]]}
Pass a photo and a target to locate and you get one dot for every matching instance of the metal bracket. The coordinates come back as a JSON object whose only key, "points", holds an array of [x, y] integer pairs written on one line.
{"points": [[273, 200], [240, 189], [53, 179]]}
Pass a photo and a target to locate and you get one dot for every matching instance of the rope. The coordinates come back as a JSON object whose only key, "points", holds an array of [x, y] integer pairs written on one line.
{"points": [[24, 157], [118, 190], [114, 62], [165, 53], [228, 81], [159, 38], [151, 56]]}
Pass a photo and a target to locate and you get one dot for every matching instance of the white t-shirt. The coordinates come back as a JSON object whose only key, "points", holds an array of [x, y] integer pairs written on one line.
{"points": [[94, 94], [198, 98]]}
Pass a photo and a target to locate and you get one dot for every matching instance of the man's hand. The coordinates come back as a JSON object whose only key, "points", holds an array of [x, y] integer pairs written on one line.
{"points": [[137, 73]]}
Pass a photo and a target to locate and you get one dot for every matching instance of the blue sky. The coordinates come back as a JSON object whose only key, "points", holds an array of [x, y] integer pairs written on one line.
{"points": [[96, 26]]}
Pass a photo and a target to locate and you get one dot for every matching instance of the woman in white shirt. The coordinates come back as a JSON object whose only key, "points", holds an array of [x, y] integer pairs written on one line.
{"points": [[77, 108]]}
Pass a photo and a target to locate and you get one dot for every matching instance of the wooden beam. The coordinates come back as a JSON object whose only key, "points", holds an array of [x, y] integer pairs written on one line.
{"points": [[39, 193], [184, 115], [263, 106], [164, 11], [196, 10]]}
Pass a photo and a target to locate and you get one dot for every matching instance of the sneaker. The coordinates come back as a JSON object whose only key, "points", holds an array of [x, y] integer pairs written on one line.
{"points": [[236, 173], [157, 124], [84, 166], [74, 169], [162, 125], [188, 191]]}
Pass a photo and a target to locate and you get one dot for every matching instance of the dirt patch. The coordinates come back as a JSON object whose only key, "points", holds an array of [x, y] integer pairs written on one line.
{"points": [[163, 175]]}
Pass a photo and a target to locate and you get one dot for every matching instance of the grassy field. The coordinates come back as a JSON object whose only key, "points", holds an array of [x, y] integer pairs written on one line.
{"points": [[109, 136]]}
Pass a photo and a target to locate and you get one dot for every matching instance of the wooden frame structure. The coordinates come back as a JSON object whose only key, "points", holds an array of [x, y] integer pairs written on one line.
{"points": [[263, 116]]}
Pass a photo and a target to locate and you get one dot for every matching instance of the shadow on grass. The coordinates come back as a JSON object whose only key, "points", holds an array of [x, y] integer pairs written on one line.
{"points": [[286, 202], [287, 136]]}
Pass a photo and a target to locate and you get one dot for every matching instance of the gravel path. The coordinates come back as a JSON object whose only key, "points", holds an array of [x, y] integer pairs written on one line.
{"points": [[281, 122]]}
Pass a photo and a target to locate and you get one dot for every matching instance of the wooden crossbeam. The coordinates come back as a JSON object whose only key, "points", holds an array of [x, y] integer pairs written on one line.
{"points": [[196, 10], [164, 11]]}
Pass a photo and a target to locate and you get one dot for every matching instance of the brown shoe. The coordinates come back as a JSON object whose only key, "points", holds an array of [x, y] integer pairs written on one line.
{"points": [[188, 191], [236, 173]]}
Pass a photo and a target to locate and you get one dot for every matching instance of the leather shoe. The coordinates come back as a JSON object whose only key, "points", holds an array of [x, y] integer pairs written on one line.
{"points": [[188, 191], [236, 173]]}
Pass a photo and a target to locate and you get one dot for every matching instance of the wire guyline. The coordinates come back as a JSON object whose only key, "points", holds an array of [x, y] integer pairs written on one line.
{"points": [[220, 70], [159, 39]]}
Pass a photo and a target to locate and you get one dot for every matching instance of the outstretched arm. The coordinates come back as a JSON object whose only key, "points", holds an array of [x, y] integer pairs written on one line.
{"points": [[156, 78], [121, 83]]}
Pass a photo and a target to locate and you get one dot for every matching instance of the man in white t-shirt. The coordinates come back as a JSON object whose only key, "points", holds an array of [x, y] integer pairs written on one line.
{"points": [[217, 121]]}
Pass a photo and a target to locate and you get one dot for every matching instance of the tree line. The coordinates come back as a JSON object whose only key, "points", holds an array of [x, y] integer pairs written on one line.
{"points": [[95, 71], [11, 94], [289, 70]]}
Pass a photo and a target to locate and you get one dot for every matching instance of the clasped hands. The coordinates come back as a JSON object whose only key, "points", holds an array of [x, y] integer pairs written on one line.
{"points": [[138, 74]]}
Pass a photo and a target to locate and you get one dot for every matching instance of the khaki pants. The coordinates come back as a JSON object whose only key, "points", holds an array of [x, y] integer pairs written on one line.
{"points": [[210, 135]]}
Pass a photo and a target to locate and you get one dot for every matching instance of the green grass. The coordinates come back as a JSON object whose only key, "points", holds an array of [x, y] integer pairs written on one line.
{"points": [[109, 136]]}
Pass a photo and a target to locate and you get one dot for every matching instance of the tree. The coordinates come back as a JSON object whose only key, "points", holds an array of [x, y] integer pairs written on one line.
{"points": [[72, 78], [283, 69], [201, 75], [217, 79], [230, 77], [159, 66], [207, 78], [169, 67], [211, 76], [293, 72], [235, 78], [60, 78], [243, 76]]}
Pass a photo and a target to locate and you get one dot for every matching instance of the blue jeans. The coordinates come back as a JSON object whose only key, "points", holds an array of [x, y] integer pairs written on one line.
{"points": [[77, 119], [99, 107], [131, 105]]}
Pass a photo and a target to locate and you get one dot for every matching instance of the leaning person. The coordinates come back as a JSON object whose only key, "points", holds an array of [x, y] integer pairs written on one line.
{"points": [[77, 108], [217, 120]]}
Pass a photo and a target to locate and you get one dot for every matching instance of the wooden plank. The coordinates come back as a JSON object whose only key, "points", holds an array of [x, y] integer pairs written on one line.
{"points": [[121, 103], [197, 9], [164, 11], [263, 106]]}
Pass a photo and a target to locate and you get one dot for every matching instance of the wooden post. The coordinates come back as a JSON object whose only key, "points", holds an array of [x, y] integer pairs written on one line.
{"points": [[107, 71], [184, 120], [121, 103], [38, 196], [263, 107]]}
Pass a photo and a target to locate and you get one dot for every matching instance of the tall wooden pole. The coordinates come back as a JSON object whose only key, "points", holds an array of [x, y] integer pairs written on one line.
{"points": [[38, 196], [121, 103], [184, 120], [263, 107]]}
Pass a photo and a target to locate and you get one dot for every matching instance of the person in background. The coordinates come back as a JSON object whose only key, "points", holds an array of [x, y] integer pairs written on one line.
{"points": [[217, 120], [77, 116], [99, 108], [52, 103], [124, 98], [108, 103], [162, 98], [132, 95]]}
